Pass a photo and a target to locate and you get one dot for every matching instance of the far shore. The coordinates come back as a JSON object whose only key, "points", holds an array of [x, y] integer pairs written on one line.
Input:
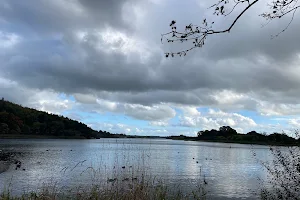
{"points": [[235, 141], [242, 142], [20, 136]]}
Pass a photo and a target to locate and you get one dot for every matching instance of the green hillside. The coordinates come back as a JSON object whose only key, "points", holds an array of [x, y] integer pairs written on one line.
{"points": [[16, 120]]}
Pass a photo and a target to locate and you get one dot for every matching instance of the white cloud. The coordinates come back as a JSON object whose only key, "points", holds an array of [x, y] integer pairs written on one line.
{"points": [[8, 40], [155, 113], [50, 102], [214, 119], [45, 100], [277, 109], [190, 110], [159, 123], [228, 97]]}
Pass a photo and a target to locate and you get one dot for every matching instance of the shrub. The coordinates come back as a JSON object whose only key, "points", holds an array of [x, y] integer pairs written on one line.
{"points": [[283, 174]]}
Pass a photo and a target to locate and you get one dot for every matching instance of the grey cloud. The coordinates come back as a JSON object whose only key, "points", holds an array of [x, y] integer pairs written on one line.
{"points": [[159, 96], [111, 72], [100, 72], [88, 103], [15, 94], [50, 17], [154, 113], [245, 61], [85, 99], [105, 11]]}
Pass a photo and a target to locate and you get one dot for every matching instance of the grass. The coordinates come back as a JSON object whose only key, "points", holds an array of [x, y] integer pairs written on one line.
{"points": [[142, 188]]}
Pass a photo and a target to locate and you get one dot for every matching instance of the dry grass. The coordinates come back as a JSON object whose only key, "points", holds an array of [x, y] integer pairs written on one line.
{"points": [[115, 189]]}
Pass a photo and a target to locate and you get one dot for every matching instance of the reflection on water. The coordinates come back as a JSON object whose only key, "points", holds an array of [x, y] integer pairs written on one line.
{"points": [[230, 170]]}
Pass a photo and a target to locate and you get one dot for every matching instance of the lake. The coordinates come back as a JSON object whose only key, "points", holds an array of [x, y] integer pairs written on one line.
{"points": [[230, 170]]}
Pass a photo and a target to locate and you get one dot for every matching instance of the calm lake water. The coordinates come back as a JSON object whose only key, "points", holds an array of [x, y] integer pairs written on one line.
{"points": [[230, 170]]}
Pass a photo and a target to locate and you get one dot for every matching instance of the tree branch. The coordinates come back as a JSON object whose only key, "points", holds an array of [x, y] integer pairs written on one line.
{"points": [[198, 34], [236, 19]]}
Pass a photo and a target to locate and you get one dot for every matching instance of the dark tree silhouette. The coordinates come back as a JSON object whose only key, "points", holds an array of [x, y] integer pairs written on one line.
{"points": [[198, 34], [18, 120]]}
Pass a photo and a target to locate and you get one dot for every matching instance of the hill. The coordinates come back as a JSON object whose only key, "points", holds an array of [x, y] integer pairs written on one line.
{"points": [[19, 121]]}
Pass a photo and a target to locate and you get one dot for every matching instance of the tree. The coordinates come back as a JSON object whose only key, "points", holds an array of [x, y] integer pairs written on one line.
{"points": [[2, 104], [227, 131], [15, 119], [199, 134], [57, 127], [198, 34]]}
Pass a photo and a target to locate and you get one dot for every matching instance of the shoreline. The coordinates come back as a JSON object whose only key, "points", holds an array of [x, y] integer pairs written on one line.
{"points": [[20, 136], [240, 142]]}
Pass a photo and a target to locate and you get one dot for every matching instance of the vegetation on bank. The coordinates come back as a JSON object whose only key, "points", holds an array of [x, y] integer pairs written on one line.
{"points": [[283, 180], [118, 190], [21, 122], [228, 134]]}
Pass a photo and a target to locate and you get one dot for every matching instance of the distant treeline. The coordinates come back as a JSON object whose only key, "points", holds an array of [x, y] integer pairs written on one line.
{"points": [[18, 120], [228, 134]]}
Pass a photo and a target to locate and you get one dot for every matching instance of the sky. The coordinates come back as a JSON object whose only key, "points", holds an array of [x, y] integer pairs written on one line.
{"points": [[102, 63]]}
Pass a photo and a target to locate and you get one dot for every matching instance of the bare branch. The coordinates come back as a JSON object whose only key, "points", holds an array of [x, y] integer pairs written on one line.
{"points": [[198, 34], [236, 19]]}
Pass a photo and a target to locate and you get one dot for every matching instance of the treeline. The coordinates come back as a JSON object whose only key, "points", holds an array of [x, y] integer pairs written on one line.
{"points": [[228, 134], [18, 120]]}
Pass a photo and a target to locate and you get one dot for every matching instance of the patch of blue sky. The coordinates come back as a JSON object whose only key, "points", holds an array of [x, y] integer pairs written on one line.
{"points": [[203, 110], [254, 115], [175, 120], [64, 96]]}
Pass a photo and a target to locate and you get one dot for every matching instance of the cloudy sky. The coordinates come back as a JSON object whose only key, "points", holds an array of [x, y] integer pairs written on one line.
{"points": [[102, 62]]}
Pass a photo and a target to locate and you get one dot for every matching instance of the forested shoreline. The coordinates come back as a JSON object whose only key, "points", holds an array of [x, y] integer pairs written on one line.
{"points": [[18, 121], [226, 134]]}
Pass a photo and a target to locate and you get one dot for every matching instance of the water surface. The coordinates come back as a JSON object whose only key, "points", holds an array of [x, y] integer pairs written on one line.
{"points": [[230, 170]]}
